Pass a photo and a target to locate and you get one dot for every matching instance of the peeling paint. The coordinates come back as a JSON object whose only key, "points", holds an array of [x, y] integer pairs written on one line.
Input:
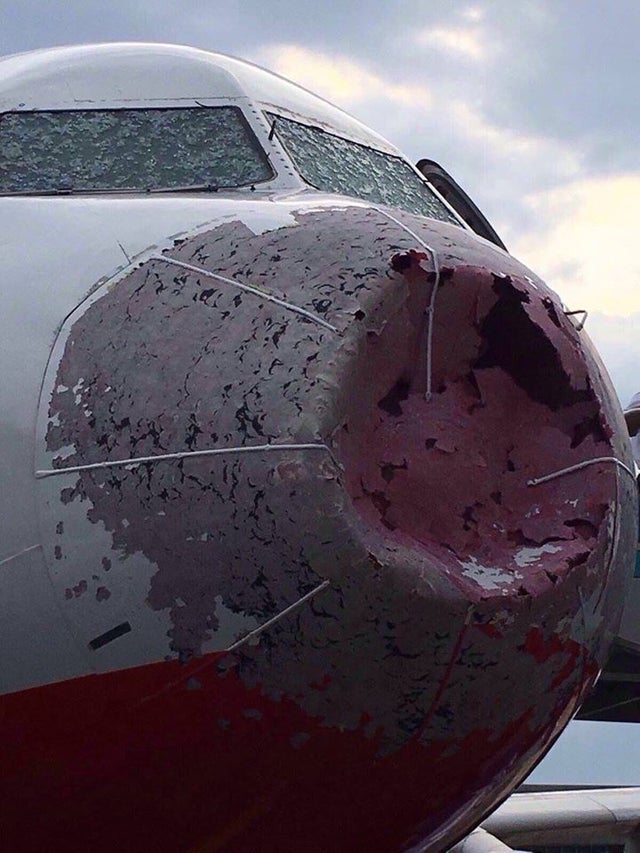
{"points": [[527, 556], [449, 580], [488, 577]]}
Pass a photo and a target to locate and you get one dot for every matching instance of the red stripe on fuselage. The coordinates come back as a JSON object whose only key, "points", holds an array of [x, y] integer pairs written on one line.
{"points": [[168, 757]]}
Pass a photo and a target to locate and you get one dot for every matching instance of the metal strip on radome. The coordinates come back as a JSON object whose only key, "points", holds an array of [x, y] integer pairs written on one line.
{"points": [[248, 289], [535, 481], [257, 631], [185, 454], [247, 637], [19, 554], [432, 302]]}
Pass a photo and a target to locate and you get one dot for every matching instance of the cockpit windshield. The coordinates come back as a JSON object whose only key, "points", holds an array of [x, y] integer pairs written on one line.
{"points": [[129, 149], [336, 165]]}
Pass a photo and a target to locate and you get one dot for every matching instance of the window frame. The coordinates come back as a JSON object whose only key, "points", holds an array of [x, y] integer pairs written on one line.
{"points": [[150, 106], [387, 151]]}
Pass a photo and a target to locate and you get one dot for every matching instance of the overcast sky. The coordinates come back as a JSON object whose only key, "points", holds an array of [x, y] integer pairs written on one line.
{"points": [[531, 104]]}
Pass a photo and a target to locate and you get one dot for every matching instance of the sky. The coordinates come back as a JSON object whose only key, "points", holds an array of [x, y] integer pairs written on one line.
{"points": [[531, 105]]}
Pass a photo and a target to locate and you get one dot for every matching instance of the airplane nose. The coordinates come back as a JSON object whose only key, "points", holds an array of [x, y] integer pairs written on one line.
{"points": [[372, 463]]}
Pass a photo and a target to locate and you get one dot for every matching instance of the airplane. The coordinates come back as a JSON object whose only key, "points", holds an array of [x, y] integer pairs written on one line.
{"points": [[318, 513]]}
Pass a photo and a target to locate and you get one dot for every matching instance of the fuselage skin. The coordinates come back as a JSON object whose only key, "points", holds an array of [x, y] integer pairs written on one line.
{"points": [[276, 570]]}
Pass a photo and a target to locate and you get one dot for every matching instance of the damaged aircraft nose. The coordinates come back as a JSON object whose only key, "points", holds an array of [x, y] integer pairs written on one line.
{"points": [[388, 414]]}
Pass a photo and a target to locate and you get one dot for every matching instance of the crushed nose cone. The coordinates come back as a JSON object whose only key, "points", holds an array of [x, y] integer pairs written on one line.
{"points": [[453, 471]]}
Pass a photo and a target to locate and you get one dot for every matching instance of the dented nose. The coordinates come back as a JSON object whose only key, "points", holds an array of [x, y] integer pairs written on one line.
{"points": [[475, 389], [387, 405]]}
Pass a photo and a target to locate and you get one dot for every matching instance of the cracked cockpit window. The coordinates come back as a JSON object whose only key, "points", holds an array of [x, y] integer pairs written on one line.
{"points": [[129, 149], [336, 165]]}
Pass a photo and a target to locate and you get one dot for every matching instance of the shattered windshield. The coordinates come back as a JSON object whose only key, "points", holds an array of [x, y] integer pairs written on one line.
{"points": [[336, 165], [129, 149]]}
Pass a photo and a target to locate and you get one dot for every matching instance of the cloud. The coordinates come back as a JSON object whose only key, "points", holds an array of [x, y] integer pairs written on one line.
{"points": [[465, 42], [618, 342], [585, 242], [509, 143], [337, 78], [473, 13]]}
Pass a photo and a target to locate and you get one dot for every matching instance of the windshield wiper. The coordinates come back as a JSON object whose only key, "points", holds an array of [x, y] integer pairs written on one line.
{"points": [[189, 188], [53, 191], [201, 188], [69, 190]]}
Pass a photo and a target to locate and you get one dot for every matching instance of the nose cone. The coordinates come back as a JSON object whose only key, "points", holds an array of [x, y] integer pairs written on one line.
{"points": [[378, 404], [474, 404]]}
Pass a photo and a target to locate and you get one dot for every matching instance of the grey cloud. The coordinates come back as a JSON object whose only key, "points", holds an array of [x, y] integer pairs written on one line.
{"points": [[571, 75], [618, 342]]}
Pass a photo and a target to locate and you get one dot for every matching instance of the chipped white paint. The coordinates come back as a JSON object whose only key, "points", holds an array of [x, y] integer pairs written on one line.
{"points": [[68, 449], [488, 577], [527, 556]]}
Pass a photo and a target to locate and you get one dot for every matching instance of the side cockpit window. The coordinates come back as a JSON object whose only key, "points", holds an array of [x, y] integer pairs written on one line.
{"points": [[336, 165], [129, 149]]}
